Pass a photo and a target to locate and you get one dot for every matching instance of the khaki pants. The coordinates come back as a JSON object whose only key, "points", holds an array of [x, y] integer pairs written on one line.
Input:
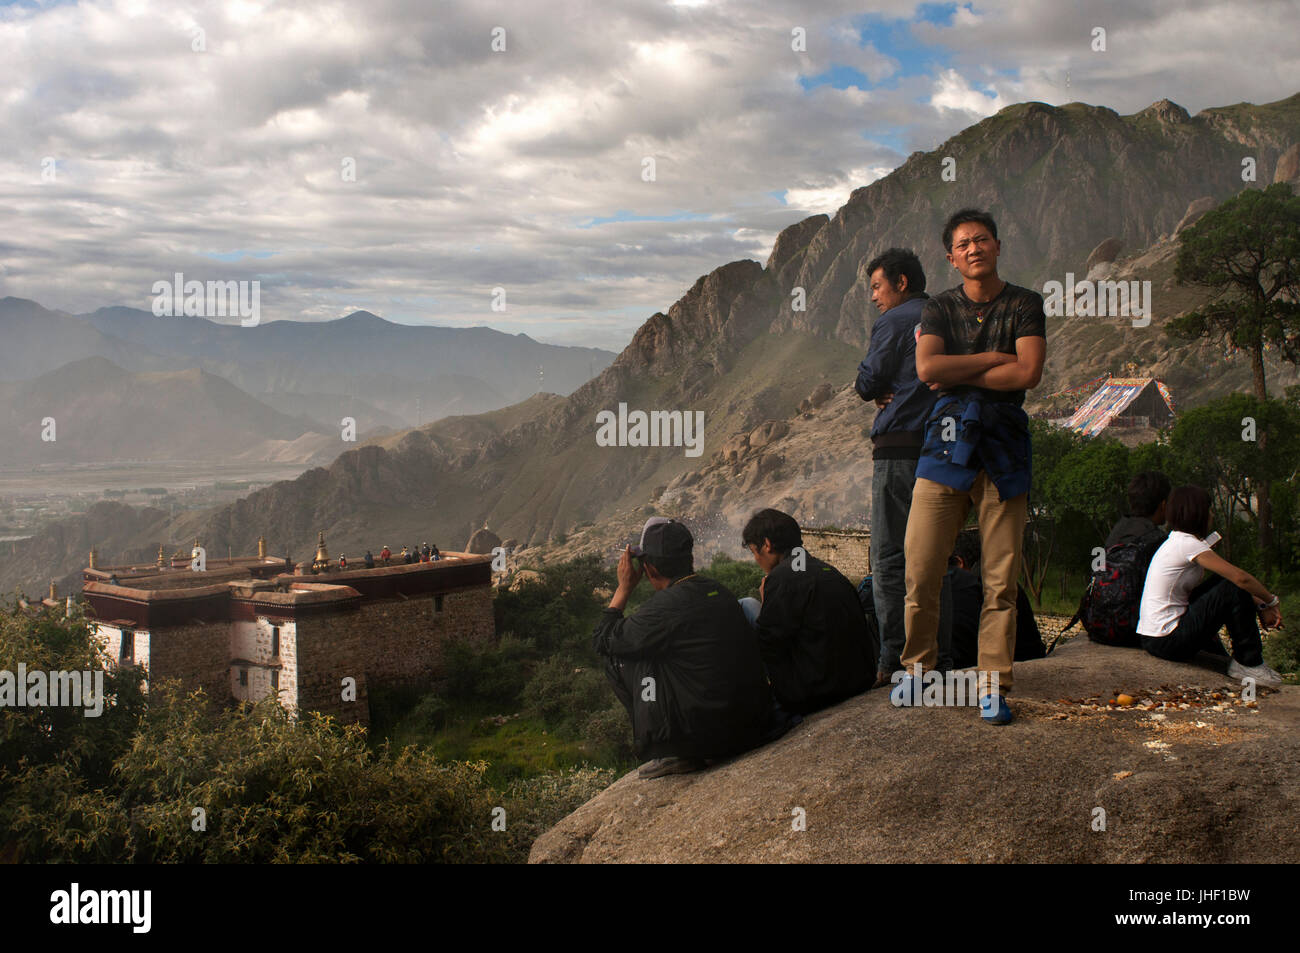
{"points": [[937, 516]]}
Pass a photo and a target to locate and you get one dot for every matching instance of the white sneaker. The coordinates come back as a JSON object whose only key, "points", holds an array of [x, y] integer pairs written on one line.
{"points": [[1262, 674]]}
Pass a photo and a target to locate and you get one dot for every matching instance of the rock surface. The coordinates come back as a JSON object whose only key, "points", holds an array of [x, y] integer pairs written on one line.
{"points": [[1215, 782], [482, 542], [1106, 251], [1288, 166], [1194, 211]]}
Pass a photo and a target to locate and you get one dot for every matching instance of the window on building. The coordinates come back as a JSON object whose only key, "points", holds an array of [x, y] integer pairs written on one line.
{"points": [[126, 648], [275, 641], [437, 604], [275, 679], [243, 678]]}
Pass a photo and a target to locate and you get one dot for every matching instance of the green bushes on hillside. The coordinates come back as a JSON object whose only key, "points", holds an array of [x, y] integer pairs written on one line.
{"points": [[171, 779]]}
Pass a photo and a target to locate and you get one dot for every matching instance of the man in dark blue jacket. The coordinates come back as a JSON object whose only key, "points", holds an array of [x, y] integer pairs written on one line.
{"points": [[887, 376]]}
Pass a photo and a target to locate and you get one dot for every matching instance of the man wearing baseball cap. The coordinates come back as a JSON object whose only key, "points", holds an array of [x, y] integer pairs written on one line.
{"points": [[686, 664]]}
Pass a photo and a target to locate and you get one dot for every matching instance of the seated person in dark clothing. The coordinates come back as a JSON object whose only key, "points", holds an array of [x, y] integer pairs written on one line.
{"points": [[1148, 497], [686, 664], [968, 602], [811, 629]]}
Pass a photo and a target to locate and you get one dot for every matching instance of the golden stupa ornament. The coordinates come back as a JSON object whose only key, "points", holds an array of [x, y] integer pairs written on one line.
{"points": [[322, 561]]}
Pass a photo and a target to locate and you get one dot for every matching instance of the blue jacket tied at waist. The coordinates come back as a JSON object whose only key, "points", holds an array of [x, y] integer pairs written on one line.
{"points": [[989, 435]]}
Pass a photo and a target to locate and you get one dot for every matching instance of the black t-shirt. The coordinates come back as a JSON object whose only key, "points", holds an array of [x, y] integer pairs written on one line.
{"points": [[968, 327]]}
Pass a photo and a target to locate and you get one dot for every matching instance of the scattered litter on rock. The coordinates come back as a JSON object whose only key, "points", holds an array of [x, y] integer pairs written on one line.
{"points": [[1168, 698]]}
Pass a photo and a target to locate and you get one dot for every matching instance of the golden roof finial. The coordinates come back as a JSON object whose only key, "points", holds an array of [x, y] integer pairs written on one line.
{"points": [[322, 561], [94, 558], [162, 564]]}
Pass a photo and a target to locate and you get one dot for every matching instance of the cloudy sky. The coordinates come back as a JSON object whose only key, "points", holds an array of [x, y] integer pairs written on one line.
{"points": [[219, 140]]}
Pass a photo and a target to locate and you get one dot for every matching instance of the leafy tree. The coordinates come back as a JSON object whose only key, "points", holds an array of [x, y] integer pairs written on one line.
{"points": [[1092, 480], [1050, 446], [1221, 446], [1247, 252], [87, 747]]}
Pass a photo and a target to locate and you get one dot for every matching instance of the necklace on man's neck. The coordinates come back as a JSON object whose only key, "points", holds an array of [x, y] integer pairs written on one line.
{"points": [[981, 306]]}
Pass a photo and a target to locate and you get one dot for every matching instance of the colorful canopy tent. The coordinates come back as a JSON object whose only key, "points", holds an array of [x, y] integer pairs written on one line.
{"points": [[1124, 402]]}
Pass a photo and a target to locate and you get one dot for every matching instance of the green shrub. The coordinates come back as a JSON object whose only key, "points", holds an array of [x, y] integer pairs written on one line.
{"points": [[741, 576], [563, 693], [39, 735], [537, 804], [477, 671], [610, 733], [1282, 646], [270, 788], [429, 714]]}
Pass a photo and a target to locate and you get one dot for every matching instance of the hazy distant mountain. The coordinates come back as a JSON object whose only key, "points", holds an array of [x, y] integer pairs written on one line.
{"points": [[326, 410], [409, 373], [780, 429], [102, 413], [34, 340]]}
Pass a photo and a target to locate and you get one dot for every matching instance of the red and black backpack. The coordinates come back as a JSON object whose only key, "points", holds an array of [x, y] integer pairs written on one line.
{"points": [[1111, 604]]}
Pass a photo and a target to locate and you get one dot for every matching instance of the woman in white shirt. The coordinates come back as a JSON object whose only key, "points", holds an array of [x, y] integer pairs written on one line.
{"points": [[1180, 617]]}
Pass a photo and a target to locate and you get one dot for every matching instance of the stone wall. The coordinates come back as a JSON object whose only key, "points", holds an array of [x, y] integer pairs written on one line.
{"points": [[324, 650], [387, 642], [198, 654], [849, 551], [405, 639]]}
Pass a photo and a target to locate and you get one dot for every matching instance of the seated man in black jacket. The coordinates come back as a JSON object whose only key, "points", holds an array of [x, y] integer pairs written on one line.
{"points": [[686, 664], [811, 628]]}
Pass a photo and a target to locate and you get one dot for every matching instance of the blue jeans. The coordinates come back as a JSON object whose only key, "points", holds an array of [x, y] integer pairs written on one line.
{"points": [[891, 501]]}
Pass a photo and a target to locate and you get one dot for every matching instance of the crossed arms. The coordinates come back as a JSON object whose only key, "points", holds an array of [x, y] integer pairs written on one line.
{"points": [[990, 369]]}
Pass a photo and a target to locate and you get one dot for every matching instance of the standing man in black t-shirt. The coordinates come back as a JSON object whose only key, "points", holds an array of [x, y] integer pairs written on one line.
{"points": [[981, 345]]}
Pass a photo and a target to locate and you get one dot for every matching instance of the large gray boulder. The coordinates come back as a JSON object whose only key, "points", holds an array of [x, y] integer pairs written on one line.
{"points": [[1217, 781]]}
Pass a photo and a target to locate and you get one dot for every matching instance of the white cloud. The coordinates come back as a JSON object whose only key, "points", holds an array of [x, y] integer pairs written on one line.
{"points": [[476, 168], [952, 91]]}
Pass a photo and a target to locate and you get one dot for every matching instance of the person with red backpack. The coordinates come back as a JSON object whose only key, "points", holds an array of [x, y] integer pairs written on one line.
{"points": [[1109, 608], [1180, 616], [1148, 498]]}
